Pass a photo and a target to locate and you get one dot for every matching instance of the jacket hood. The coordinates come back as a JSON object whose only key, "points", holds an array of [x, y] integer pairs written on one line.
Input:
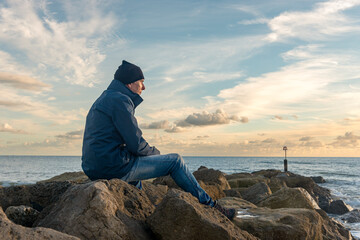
{"points": [[116, 85]]}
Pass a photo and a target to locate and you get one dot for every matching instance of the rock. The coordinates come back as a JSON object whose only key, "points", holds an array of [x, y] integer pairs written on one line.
{"points": [[38, 196], [181, 216], [104, 209], [238, 175], [257, 192], [12, 231], [275, 184], [236, 203], [351, 217], [289, 223], [338, 207], [215, 191], [269, 173], [318, 179], [321, 195], [212, 177], [22, 215], [166, 180], [246, 181], [155, 193], [232, 193], [75, 177], [289, 198]]}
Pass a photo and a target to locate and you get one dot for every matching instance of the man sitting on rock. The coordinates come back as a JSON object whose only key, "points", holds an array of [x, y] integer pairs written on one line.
{"points": [[113, 145]]}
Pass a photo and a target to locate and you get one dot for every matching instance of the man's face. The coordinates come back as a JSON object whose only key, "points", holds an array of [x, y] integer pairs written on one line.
{"points": [[137, 87]]}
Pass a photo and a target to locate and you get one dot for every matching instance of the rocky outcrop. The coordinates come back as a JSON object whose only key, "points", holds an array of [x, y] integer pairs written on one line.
{"points": [[181, 216], [338, 207], [351, 217], [22, 215], [257, 192], [75, 177], [38, 196], [212, 177], [288, 223], [12, 231], [101, 210], [290, 198]]}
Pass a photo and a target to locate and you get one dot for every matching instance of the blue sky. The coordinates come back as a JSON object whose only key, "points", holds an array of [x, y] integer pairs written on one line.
{"points": [[224, 78]]}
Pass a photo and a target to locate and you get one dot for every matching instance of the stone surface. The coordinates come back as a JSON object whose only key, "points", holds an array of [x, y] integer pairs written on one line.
{"points": [[288, 223], [338, 207], [232, 193], [257, 192], [351, 217], [318, 179], [268, 173], [246, 181], [22, 215], [101, 210], [76, 177], [12, 231], [155, 193], [212, 177], [290, 198], [181, 216], [38, 196]]}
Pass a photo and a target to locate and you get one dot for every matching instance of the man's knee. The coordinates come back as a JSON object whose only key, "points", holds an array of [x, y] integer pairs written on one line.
{"points": [[178, 160]]}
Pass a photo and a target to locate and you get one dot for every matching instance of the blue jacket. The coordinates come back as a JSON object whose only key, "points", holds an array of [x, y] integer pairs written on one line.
{"points": [[112, 138]]}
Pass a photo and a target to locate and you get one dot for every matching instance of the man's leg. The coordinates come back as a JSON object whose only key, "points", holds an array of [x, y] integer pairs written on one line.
{"points": [[161, 165]]}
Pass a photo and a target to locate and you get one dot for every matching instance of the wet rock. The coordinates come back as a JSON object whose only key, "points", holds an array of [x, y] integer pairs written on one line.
{"points": [[22, 215], [38, 196], [75, 177], [181, 216], [101, 210], [289, 223], [318, 179], [290, 198], [257, 192], [12, 231], [338, 207], [351, 217]]}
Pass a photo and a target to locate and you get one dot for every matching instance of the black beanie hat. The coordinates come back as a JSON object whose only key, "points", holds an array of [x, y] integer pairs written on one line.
{"points": [[128, 73]]}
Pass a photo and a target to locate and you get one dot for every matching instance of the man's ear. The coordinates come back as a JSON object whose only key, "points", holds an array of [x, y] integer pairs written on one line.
{"points": [[128, 85]]}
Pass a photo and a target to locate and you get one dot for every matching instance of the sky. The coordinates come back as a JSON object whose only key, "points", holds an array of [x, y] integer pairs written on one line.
{"points": [[223, 78]]}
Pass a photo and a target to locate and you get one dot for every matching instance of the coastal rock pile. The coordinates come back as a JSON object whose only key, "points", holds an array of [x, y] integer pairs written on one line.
{"points": [[271, 205]]}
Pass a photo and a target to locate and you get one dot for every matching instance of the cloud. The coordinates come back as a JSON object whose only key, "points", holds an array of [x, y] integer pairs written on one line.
{"points": [[205, 118], [306, 139], [22, 82], [324, 20], [348, 140], [74, 135], [278, 117], [156, 125], [254, 21], [175, 129], [5, 127], [69, 46], [201, 137]]}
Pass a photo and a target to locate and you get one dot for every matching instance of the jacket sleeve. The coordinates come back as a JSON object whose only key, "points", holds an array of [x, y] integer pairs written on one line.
{"points": [[126, 124]]}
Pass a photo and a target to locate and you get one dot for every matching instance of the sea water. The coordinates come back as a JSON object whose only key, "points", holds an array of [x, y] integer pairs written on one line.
{"points": [[342, 175]]}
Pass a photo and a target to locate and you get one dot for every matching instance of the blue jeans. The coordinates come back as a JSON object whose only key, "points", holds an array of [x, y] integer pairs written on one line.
{"points": [[161, 165]]}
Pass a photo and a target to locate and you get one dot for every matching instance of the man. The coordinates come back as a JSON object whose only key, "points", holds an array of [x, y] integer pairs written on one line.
{"points": [[113, 145]]}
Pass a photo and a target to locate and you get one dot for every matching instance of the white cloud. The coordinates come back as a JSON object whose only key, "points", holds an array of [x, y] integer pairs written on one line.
{"points": [[156, 125], [326, 19], [22, 82], [73, 135], [5, 127], [69, 47]]}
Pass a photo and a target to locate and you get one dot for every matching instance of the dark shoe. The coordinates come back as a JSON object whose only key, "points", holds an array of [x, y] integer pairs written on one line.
{"points": [[228, 212]]}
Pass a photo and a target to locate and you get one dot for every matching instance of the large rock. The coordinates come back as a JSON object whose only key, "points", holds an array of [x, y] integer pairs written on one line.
{"points": [[155, 193], [246, 182], [212, 177], [181, 216], [75, 177], [38, 196], [215, 191], [290, 198], [351, 217], [338, 207], [289, 223], [22, 215], [257, 192], [101, 210], [12, 231], [268, 173]]}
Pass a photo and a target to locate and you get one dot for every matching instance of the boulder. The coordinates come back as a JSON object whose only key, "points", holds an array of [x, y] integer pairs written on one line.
{"points": [[275, 184], [318, 179], [215, 191], [247, 181], [237, 203], [212, 177], [75, 177], [103, 209], [166, 180], [232, 193], [12, 231], [22, 215], [289, 223], [257, 192], [268, 173], [155, 193], [38, 196], [238, 175], [181, 216], [289, 198], [351, 217], [338, 207]]}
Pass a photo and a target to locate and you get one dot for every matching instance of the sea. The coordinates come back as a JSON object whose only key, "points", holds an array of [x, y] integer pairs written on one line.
{"points": [[342, 174]]}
